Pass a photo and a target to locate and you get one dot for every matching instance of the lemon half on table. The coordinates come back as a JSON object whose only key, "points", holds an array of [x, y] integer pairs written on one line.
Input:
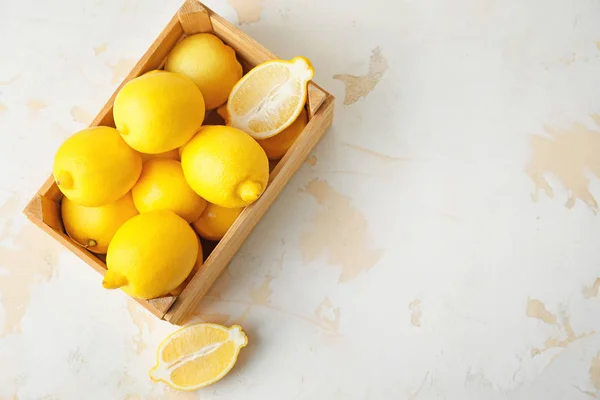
{"points": [[197, 355]]}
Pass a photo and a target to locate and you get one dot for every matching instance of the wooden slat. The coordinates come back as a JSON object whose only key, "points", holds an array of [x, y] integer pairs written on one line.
{"points": [[246, 48], [194, 18], [315, 99], [239, 231]]}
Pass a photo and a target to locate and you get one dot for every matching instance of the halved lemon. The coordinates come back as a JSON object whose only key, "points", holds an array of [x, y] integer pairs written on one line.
{"points": [[197, 355], [270, 97]]}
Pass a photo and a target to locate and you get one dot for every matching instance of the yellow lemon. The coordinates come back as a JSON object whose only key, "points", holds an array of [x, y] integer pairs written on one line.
{"points": [[210, 63], [225, 166], [276, 146], [197, 355], [158, 112], [162, 186], [270, 97], [215, 221], [94, 227], [199, 261], [96, 167], [169, 155], [151, 254]]}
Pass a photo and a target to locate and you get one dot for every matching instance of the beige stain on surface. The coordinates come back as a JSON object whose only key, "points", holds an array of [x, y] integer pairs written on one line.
{"points": [[261, 294], [591, 291], [30, 260], [328, 315], [312, 161], [121, 69], [248, 11], [100, 49], [80, 115], [568, 155], [415, 308], [6, 82], [143, 320], [2, 108], [361, 86], [216, 318], [35, 105], [595, 371], [338, 230], [537, 309], [382, 157]]}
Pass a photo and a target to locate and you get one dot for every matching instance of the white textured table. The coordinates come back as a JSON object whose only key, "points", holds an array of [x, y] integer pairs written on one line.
{"points": [[442, 242]]}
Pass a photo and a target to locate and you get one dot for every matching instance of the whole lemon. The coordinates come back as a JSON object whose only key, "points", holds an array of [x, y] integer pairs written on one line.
{"points": [[151, 254], [158, 112], [170, 155], [276, 146], [95, 166], [94, 227], [215, 221], [225, 166], [210, 63], [162, 186], [199, 261]]}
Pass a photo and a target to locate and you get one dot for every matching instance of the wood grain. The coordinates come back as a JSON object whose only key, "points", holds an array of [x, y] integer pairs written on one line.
{"points": [[194, 18]]}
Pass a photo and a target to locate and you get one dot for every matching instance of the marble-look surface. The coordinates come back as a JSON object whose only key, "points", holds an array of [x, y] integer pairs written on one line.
{"points": [[441, 242]]}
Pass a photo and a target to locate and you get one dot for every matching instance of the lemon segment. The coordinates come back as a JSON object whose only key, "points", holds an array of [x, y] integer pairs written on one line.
{"points": [[270, 97], [198, 355], [94, 227], [95, 167]]}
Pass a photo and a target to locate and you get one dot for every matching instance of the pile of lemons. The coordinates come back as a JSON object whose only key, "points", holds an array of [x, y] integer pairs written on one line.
{"points": [[142, 191]]}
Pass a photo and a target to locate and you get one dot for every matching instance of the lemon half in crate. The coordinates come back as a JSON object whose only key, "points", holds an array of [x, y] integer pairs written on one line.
{"points": [[197, 355]]}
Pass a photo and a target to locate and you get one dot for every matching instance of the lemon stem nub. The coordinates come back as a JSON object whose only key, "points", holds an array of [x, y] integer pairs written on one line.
{"points": [[250, 190], [113, 280], [64, 180]]}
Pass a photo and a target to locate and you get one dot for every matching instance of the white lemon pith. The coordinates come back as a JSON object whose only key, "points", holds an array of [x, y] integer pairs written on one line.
{"points": [[151, 254], [225, 166], [158, 112], [95, 167], [210, 63], [197, 355], [270, 97]]}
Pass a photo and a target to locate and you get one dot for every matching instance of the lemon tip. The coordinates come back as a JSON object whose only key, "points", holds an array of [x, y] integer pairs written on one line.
{"points": [[113, 280], [250, 191]]}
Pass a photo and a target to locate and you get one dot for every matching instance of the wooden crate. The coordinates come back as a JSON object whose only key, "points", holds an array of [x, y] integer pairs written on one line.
{"points": [[194, 17]]}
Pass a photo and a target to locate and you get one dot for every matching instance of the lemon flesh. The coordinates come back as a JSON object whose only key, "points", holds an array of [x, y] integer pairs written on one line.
{"points": [[198, 355], [95, 167]]}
